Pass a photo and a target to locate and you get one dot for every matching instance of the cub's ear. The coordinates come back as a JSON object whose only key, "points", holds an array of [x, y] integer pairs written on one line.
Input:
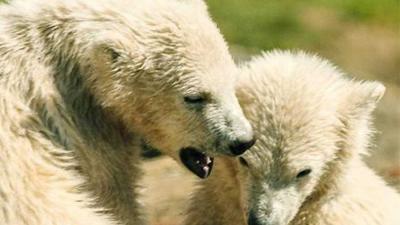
{"points": [[112, 53], [363, 97], [360, 99], [102, 55], [355, 113], [106, 52]]}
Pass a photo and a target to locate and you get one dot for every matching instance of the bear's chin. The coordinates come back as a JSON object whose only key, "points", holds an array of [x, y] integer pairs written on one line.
{"points": [[196, 161]]}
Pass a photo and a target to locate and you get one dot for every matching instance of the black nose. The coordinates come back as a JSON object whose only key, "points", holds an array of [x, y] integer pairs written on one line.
{"points": [[253, 220], [238, 147]]}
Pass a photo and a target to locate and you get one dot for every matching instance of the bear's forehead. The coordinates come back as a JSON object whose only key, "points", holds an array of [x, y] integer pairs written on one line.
{"points": [[213, 85], [298, 123], [294, 103], [267, 160], [290, 139], [285, 144]]}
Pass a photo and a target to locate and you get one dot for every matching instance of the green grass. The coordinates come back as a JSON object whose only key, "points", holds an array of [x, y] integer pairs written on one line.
{"points": [[384, 11], [265, 24]]}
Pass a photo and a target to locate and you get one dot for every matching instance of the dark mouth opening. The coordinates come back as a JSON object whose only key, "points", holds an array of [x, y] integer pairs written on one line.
{"points": [[197, 162]]}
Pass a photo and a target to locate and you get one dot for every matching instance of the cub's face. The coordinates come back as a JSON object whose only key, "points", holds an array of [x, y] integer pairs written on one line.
{"points": [[184, 108], [170, 78], [295, 145], [310, 122], [192, 119], [283, 175]]}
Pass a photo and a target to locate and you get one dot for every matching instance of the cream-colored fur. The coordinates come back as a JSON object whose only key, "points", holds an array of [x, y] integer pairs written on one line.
{"points": [[84, 83], [307, 115]]}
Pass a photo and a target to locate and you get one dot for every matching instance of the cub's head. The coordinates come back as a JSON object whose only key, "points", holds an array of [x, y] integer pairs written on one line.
{"points": [[165, 70], [311, 122]]}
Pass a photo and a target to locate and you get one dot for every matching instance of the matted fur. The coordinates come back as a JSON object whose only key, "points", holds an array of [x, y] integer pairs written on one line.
{"points": [[84, 82], [307, 115]]}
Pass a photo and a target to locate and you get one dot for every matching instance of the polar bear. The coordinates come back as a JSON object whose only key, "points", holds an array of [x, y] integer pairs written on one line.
{"points": [[85, 83], [313, 126]]}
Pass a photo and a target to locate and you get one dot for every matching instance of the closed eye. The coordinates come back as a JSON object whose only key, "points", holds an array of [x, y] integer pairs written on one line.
{"points": [[195, 99], [303, 173]]}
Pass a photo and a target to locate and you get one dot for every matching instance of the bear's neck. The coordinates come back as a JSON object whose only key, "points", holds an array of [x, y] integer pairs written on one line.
{"points": [[50, 82], [93, 123], [69, 115], [96, 126], [333, 187]]}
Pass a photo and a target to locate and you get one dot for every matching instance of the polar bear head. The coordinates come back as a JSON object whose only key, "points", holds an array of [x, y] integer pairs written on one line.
{"points": [[163, 69], [310, 122]]}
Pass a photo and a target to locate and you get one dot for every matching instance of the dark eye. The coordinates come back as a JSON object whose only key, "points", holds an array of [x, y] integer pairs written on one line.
{"points": [[243, 162], [113, 54], [303, 173], [195, 99]]}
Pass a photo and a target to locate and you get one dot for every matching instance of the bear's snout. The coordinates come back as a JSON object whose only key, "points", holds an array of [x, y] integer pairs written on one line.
{"points": [[241, 135], [240, 145]]}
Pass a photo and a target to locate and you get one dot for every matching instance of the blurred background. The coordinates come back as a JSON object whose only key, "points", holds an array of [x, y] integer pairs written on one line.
{"points": [[360, 36]]}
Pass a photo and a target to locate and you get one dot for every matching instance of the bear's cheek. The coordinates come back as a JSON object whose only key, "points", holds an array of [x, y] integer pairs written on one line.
{"points": [[155, 133], [157, 139]]}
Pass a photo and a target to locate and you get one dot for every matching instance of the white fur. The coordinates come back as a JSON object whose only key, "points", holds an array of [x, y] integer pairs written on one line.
{"points": [[307, 115], [83, 83]]}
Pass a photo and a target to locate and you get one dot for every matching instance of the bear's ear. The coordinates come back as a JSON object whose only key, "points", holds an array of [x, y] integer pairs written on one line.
{"points": [[112, 53], [363, 97], [360, 99], [104, 53]]}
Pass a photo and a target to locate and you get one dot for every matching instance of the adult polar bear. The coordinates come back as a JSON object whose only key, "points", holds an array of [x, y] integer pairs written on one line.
{"points": [[84, 82]]}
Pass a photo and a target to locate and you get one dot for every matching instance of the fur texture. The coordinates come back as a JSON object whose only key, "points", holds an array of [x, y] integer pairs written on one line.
{"points": [[84, 82], [313, 126]]}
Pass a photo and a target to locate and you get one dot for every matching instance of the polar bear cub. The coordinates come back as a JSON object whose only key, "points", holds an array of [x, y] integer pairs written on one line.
{"points": [[313, 126], [85, 83]]}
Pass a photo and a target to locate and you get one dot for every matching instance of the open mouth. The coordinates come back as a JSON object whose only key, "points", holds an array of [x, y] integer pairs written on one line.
{"points": [[197, 162]]}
